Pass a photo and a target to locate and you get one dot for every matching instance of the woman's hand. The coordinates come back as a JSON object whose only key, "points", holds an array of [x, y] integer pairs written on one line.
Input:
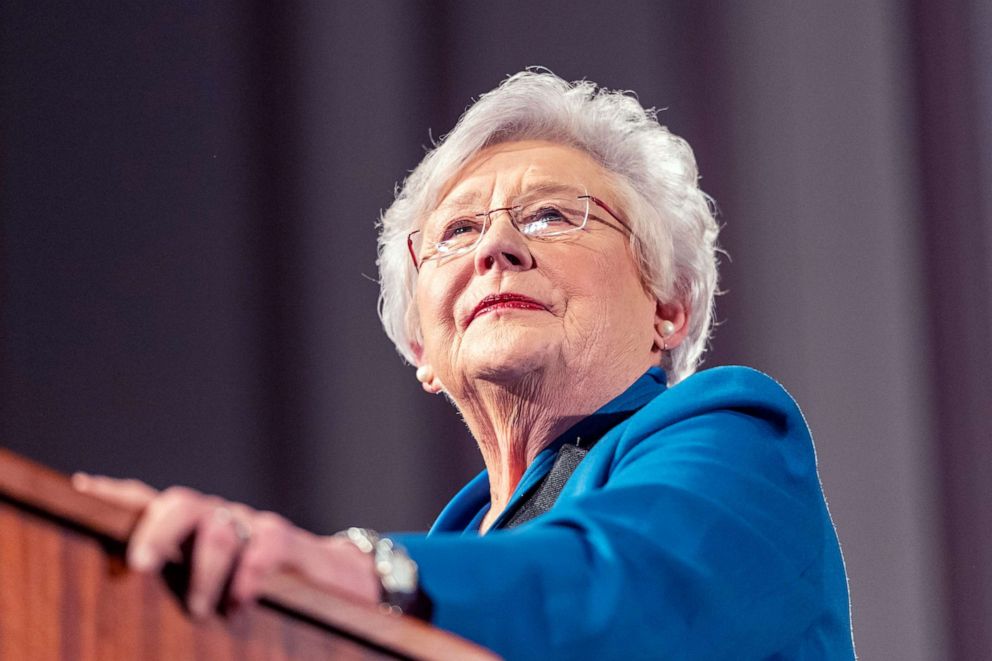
{"points": [[231, 542]]}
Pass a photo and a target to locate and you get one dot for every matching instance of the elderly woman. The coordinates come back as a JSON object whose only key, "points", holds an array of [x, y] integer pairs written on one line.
{"points": [[550, 267]]}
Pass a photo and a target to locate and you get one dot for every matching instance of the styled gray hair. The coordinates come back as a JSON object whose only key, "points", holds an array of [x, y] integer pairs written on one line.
{"points": [[654, 174]]}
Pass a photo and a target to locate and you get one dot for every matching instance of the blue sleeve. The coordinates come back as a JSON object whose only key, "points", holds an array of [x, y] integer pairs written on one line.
{"points": [[705, 536]]}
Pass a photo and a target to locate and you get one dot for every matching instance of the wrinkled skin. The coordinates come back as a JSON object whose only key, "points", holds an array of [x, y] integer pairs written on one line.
{"points": [[520, 375]]}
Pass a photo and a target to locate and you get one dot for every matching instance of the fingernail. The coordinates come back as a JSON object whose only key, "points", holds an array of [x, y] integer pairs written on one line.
{"points": [[80, 481], [141, 559]]}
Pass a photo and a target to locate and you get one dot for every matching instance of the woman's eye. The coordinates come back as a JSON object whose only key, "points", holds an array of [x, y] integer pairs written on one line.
{"points": [[460, 230], [548, 217]]}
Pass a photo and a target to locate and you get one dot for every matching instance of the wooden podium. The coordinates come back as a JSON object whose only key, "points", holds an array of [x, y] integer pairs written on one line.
{"points": [[65, 593]]}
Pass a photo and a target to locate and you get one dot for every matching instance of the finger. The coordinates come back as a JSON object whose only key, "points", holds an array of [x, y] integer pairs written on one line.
{"points": [[331, 563], [168, 521], [328, 562], [215, 550], [270, 550], [132, 494]]}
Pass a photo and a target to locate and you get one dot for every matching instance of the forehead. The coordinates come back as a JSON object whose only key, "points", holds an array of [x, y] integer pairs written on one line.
{"points": [[513, 168]]}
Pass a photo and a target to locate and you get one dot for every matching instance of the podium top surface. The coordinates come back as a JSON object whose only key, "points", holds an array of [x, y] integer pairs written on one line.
{"points": [[49, 493]]}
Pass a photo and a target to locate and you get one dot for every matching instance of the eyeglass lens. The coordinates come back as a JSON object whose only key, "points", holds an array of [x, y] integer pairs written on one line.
{"points": [[460, 230]]}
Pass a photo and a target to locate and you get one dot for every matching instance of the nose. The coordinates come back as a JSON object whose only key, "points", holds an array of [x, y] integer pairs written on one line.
{"points": [[502, 246]]}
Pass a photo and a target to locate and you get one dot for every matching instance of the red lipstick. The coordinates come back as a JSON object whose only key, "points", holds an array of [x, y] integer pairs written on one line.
{"points": [[505, 300]]}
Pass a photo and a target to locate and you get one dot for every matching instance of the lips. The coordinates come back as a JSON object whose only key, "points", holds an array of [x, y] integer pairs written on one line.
{"points": [[506, 300]]}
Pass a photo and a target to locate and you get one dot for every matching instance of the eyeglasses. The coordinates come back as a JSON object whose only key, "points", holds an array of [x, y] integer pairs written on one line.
{"points": [[547, 218]]}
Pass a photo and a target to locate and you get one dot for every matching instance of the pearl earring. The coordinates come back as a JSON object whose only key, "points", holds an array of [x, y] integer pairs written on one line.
{"points": [[430, 384], [667, 328]]}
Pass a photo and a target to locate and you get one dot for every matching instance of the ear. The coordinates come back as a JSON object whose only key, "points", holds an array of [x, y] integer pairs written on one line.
{"points": [[425, 373], [670, 325]]}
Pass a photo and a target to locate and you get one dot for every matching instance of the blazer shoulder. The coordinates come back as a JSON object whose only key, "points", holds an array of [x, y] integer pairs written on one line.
{"points": [[732, 388]]}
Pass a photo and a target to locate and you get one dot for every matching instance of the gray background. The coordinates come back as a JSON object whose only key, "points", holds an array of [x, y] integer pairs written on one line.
{"points": [[188, 193]]}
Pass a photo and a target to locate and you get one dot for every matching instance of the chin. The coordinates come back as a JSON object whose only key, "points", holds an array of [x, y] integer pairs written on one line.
{"points": [[511, 355]]}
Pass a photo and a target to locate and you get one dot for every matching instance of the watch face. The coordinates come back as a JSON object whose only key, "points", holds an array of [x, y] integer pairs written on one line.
{"points": [[400, 573], [362, 538]]}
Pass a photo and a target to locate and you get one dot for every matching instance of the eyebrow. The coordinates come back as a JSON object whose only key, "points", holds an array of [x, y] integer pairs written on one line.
{"points": [[475, 197]]}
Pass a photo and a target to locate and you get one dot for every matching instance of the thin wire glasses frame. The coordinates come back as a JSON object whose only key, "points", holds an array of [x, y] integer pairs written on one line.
{"points": [[514, 211]]}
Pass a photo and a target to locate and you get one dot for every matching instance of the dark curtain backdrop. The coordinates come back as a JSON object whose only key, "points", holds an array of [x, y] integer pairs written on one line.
{"points": [[188, 196]]}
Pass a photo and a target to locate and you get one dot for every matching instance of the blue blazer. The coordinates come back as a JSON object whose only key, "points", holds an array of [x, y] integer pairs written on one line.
{"points": [[695, 528]]}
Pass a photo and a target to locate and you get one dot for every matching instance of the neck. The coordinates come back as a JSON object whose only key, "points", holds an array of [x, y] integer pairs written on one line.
{"points": [[513, 421], [512, 424]]}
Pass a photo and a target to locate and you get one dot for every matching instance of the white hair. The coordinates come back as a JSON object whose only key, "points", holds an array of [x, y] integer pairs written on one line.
{"points": [[654, 174]]}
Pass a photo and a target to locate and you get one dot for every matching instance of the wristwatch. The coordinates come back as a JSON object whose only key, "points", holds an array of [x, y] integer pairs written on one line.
{"points": [[399, 587]]}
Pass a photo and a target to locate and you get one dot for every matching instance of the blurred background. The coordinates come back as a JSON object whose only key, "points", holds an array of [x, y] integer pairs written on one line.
{"points": [[189, 193]]}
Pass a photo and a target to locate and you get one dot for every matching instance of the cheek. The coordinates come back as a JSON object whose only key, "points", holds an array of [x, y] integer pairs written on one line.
{"points": [[608, 295], [600, 277], [436, 304]]}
